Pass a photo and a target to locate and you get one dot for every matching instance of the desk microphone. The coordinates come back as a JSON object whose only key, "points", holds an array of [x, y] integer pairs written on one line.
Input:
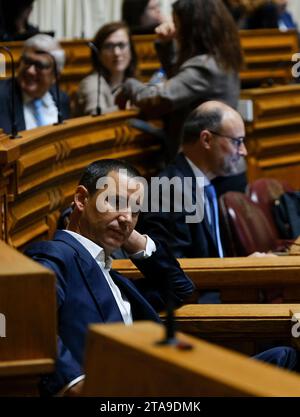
{"points": [[95, 52], [14, 131], [170, 325]]}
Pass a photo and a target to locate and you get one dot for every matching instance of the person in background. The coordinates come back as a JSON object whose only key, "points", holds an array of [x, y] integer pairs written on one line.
{"points": [[36, 100], [271, 14], [15, 15], [116, 61], [142, 16], [201, 64]]}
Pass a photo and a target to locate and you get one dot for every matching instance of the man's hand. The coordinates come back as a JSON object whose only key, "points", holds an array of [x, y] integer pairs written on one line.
{"points": [[135, 243]]}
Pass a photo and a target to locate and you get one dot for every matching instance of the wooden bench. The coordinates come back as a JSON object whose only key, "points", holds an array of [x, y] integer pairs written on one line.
{"points": [[40, 171], [247, 328], [159, 370], [239, 280], [28, 305], [273, 133], [267, 55]]}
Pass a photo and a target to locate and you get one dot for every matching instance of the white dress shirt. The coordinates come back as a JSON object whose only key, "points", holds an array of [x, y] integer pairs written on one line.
{"points": [[49, 110], [97, 252], [198, 173]]}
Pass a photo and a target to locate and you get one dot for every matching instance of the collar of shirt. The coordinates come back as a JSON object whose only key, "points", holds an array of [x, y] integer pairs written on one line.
{"points": [[95, 250], [46, 99], [197, 172]]}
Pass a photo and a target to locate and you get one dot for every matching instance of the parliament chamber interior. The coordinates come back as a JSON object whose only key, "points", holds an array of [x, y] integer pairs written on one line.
{"points": [[257, 278]]}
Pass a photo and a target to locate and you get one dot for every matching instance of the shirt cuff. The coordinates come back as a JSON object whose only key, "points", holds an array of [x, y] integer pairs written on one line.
{"points": [[69, 385], [149, 250]]}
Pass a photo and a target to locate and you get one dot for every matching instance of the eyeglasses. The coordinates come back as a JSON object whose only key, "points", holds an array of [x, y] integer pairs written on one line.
{"points": [[39, 65], [110, 46], [237, 142]]}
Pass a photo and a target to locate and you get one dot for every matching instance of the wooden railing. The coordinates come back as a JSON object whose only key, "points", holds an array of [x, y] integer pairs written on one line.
{"points": [[40, 170], [28, 323], [273, 133], [239, 280], [247, 328], [267, 52]]}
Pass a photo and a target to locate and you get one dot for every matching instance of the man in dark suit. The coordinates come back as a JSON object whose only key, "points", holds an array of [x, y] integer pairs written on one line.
{"points": [[106, 209], [36, 99], [88, 291], [212, 146]]}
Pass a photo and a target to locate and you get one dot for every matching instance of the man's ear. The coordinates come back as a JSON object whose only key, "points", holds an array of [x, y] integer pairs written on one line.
{"points": [[205, 139], [81, 197]]}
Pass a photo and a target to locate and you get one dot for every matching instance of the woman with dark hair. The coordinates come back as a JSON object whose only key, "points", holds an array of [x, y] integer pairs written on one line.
{"points": [[115, 61], [208, 59], [15, 15], [142, 16]]}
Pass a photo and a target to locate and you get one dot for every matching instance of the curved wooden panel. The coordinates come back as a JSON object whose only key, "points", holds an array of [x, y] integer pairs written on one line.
{"points": [[49, 161]]}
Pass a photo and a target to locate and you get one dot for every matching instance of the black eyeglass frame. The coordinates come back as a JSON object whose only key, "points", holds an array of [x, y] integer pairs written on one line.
{"points": [[41, 66], [238, 142]]}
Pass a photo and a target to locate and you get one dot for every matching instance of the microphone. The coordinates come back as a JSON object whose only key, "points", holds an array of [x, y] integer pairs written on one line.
{"points": [[57, 91], [14, 131], [170, 325], [95, 51]]}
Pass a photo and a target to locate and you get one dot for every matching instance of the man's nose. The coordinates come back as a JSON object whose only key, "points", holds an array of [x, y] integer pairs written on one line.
{"points": [[126, 216], [31, 69], [243, 150]]}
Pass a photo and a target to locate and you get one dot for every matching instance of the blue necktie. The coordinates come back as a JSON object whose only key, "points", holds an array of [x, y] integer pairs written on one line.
{"points": [[38, 112], [210, 193]]}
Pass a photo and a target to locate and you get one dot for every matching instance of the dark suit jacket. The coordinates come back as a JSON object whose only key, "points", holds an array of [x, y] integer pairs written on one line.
{"points": [[84, 297], [186, 240], [6, 109]]}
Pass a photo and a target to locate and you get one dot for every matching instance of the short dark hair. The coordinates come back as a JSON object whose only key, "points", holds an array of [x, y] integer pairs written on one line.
{"points": [[103, 33], [102, 168], [200, 120]]}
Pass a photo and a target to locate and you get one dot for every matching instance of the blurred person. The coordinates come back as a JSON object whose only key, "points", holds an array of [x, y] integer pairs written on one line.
{"points": [[202, 62], [142, 16], [116, 62], [15, 25], [36, 100], [271, 14]]}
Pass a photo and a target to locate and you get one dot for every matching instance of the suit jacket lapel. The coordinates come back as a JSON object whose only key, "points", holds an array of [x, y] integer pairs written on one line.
{"points": [[94, 279], [141, 309]]}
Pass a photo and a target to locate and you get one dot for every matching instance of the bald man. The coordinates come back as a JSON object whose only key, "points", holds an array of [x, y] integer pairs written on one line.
{"points": [[212, 146]]}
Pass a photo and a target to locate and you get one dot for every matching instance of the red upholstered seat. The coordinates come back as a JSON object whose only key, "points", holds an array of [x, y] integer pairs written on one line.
{"points": [[264, 192], [245, 227]]}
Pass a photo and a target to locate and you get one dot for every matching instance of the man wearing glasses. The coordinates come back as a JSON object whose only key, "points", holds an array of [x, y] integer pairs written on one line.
{"points": [[212, 146], [36, 98]]}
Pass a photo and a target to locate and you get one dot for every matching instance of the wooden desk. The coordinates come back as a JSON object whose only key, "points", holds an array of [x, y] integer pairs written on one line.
{"points": [[239, 280], [273, 134], [28, 302], [126, 361], [43, 167], [247, 328]]}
